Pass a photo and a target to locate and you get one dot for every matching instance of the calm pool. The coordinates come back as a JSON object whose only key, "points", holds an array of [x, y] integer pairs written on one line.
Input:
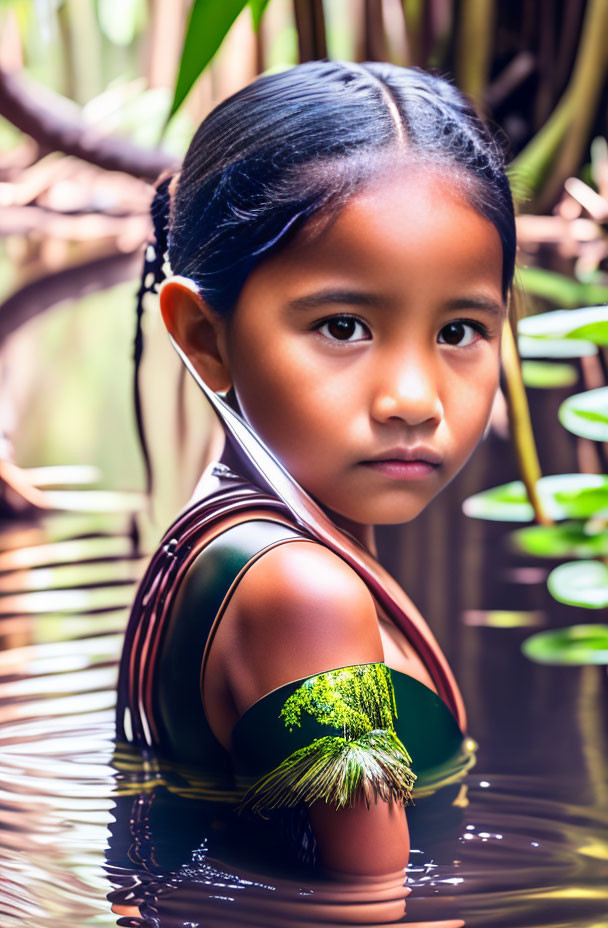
{"points": [[83, 829]]}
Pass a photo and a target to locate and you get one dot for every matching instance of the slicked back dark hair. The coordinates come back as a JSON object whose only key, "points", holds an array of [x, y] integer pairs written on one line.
{"points": [[267, 158]]}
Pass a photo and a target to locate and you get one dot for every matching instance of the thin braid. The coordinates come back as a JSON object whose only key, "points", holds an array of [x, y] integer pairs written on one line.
{"points": [[152, 275]]}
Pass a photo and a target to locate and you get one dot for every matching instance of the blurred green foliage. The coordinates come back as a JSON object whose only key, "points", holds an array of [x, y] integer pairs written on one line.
{"points": [[579, 644], [580, 498]]}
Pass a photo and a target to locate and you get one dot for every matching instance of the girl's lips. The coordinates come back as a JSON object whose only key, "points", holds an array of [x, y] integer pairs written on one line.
{"points": [[403, 470]]}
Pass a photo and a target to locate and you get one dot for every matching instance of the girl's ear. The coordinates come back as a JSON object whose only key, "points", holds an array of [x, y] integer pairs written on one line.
{"points": [[197, 329]]}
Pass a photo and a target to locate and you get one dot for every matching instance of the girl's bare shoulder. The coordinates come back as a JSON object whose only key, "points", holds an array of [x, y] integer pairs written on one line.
{"points": [[299, 609], [300, 590]]}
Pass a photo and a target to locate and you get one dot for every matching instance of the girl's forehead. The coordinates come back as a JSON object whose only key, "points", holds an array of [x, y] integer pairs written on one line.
{"points": [[411, 240], [414, 215], [398, 191]]}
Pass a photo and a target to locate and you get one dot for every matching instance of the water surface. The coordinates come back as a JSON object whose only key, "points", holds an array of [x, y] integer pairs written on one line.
{"points": [[82, 828]]}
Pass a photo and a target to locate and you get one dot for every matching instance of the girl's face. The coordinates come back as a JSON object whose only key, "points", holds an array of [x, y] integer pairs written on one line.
{"points": [[367, 355]]}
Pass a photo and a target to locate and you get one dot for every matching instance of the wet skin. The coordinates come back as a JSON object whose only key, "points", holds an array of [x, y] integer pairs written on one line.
{"points": [[407, 356]]}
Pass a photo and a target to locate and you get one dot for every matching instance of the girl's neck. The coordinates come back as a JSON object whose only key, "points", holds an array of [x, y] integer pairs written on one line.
{"points": [[364, 534]]}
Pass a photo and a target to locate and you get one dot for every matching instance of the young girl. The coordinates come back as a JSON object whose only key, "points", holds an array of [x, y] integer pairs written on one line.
{"points": [[342, 243]]}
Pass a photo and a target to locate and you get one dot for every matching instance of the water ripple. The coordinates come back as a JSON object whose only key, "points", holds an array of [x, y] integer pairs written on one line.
{"points": [[520, 853]]}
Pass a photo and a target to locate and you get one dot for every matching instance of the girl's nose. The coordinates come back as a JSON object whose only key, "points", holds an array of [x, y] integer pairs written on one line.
{"points": [[408, 390]]}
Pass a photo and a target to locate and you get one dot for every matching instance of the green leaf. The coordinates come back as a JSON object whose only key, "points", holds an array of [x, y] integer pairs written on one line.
{"points": [[506, 503], [596, 332], [580, 583], [563, 323], [557, 288], [209, 23], [562, 495], [570, 539], [586, 414], [257, 10], [544, 375], [584, 503], [578, 644], [529, 347]]}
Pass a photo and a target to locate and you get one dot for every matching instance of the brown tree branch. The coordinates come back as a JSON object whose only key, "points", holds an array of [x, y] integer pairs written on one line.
{"points": [[69, 283], [81, 227], [57, 125], [374, 38], [310, 24]]}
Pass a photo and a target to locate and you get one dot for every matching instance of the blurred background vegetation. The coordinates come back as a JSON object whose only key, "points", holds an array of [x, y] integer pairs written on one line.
{"points": [[97, 97]]}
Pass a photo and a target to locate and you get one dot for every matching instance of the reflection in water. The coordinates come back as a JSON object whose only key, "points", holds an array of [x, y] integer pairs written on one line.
{"points": [[84, 827]]}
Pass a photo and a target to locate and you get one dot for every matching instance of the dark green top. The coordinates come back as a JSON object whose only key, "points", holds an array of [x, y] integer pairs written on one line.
{"points": [[364, 727]]}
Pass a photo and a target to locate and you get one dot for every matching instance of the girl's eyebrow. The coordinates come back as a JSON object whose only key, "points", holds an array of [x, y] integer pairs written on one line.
{"points": [[322, 297], [476, 302], [360, 298]]}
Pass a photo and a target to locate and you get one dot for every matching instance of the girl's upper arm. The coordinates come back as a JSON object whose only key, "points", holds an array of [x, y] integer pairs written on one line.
{"points": [[316, 704]]}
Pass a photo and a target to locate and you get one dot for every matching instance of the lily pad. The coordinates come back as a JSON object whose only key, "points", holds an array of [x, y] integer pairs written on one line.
{"points": [[506, 503], [569, 539], [584, 502], [529, 347], [564, 496], [576, 645], [596, 332], [580, 583], [586, 414], [562, 323], [547, 374]]}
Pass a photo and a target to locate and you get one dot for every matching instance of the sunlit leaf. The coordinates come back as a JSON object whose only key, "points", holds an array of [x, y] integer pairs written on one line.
{"points": [[506, 503], [578, 644], [565, 291], [586, 414], [209, 22], [596, 332], [580, 583], [562, 323], [569, 539], [529, 347], [544, 374], [562, 496], [585, 502], [257, 11]]}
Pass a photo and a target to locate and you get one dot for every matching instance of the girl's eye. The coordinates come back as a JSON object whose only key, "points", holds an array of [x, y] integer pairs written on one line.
{"points": [[462, 334], [344, 329]]}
